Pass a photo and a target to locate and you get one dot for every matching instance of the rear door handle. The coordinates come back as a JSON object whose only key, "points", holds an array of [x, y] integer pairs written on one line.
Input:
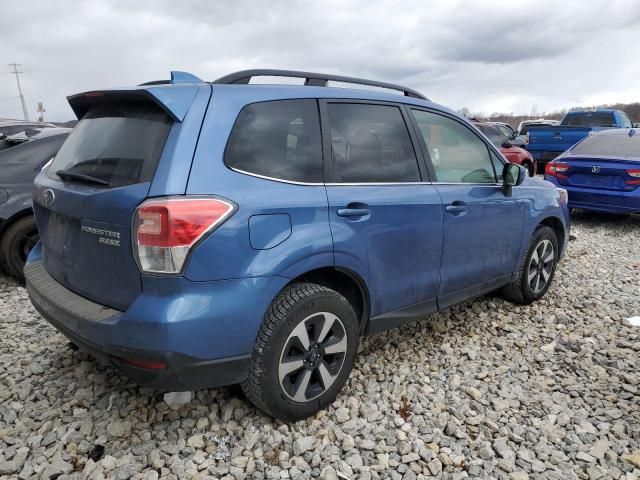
{"points": [[353, 212]]}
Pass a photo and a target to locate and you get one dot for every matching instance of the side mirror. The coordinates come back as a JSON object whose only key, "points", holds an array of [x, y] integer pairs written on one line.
{"points": [[512, 176], [636, 125], [506, 144]]}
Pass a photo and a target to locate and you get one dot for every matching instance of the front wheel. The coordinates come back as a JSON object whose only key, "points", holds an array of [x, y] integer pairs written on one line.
{"points": [[304, 352], [537, 268]]}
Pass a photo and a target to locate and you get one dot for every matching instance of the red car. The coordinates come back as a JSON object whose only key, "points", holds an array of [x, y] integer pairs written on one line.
{"points": [[513, 154]]}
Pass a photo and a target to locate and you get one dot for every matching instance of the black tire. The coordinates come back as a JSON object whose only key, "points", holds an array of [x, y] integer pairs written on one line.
{"points": [[526, 289], [19, 238], [308, 306]]}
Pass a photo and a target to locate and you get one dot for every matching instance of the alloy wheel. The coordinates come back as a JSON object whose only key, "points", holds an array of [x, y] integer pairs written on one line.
{"points": [[312, 357], [541, 266]]}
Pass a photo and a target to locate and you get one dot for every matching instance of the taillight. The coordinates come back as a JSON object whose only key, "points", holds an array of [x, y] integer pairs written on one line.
{"points": [[634, 173], [165, 229], [556, 169]]}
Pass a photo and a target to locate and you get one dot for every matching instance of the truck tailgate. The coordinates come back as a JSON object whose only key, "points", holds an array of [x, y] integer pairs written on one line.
{"points": [[555, 138]]}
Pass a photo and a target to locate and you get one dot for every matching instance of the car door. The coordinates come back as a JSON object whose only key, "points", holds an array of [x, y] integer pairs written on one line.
{"points": [[385, 220], [482, 226]]}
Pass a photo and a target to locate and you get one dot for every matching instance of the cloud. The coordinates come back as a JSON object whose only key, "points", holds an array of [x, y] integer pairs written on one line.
{"points": [[488, 56]]}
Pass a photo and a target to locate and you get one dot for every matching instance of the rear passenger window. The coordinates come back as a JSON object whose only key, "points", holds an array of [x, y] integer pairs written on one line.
{"points": [[370, 143], [457, 154], [278, 139]]}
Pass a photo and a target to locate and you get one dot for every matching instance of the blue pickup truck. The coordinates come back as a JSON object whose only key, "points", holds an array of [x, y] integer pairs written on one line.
{"points": [[547, 142]]}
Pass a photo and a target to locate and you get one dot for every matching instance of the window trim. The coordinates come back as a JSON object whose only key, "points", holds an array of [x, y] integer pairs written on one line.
{"points": [[427, 172], [425, 151], [266, 177], [327, 147]]}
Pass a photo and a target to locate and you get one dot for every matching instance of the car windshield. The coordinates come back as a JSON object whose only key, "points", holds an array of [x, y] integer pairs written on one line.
{"points": [[117, 142], [607, 145]]}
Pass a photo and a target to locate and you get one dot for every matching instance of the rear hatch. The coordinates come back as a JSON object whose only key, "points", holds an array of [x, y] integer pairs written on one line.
{"points": [[85, 199]]}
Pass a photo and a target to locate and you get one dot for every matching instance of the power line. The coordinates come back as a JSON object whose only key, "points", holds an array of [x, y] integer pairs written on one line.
{"points": [[17, 73]]}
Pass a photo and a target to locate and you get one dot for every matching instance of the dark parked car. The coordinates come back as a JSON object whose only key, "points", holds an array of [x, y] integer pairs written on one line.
{"points": [[197, 234], [24, 134], [11, 127], [19, 166], [509, 132]]}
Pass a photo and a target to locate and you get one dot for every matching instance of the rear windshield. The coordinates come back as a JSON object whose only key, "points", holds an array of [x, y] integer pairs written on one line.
{"points": [[117, 142], [591, 119], [609, 146]]}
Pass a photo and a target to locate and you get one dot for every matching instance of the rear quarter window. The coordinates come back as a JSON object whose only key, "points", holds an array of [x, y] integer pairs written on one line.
{"points": [[278, 139], [119, 142]]}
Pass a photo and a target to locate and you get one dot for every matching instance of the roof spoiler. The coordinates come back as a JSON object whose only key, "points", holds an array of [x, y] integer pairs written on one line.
{"points": [[174, 101]]}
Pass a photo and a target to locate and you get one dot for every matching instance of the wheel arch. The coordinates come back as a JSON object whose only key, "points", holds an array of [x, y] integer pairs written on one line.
{"points": [[558, 228], [14, 218], [344, 281]]}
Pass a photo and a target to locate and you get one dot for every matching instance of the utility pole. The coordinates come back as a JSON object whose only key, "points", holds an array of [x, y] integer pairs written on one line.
{"points": [[24, 105]]}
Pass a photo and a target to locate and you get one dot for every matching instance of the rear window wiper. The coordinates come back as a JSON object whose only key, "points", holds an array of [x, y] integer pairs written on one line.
{"points": [[68, 174]]}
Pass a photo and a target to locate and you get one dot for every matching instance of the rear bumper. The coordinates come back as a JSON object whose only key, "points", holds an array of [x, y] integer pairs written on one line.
{"points": [[174, 340]]}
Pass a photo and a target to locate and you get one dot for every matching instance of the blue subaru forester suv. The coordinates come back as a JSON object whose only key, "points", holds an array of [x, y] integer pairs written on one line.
{"points": [[201, 234]]}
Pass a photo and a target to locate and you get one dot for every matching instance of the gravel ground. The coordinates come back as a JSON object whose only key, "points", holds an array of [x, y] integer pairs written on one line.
{"points": [[488, 390]]}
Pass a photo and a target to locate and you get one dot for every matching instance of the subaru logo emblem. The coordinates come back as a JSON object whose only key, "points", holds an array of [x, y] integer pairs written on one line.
{"points": [[595, 169], [48, 197]]}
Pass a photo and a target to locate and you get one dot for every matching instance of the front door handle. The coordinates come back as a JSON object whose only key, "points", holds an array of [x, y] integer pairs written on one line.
{"points": [[353, 212], [456, 208]]}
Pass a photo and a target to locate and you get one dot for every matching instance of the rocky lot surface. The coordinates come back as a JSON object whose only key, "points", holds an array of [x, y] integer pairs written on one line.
{"points": [[486, 390]]}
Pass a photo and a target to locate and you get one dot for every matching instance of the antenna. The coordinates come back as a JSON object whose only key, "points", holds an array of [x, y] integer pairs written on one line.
{"points": [[17, 73]]}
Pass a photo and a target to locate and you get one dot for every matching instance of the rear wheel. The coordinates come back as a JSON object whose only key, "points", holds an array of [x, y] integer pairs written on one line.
{"points": [[16, 243], [537, 269], [304, 352]]}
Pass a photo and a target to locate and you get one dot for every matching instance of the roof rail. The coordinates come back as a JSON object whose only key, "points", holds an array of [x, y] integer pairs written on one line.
{"points": [[312, 79]]}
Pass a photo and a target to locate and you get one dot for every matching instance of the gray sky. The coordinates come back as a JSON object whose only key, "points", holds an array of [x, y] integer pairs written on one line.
{"points": [[488, 56]]}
